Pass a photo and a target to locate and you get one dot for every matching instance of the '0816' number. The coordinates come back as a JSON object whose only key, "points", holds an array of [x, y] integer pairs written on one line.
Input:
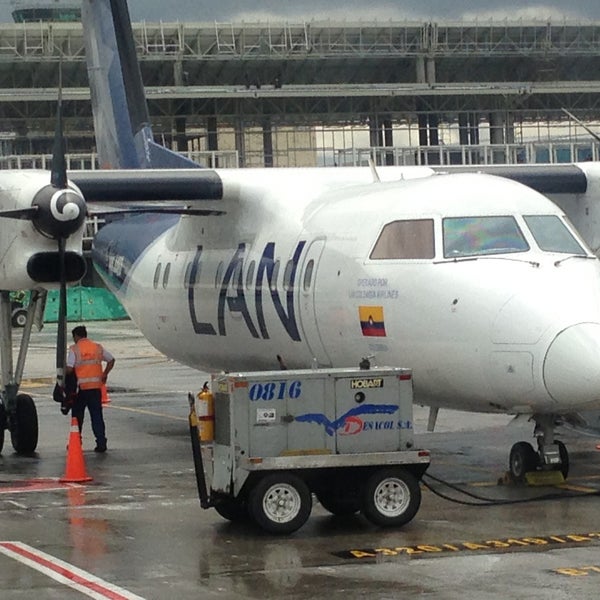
{"points": [[275, 390]]}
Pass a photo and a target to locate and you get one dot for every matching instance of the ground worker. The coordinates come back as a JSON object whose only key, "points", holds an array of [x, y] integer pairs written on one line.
{"points": [[85, 360]]}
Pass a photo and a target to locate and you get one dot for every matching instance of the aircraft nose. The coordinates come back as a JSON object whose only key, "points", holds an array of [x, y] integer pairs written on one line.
{"points": [[572, 365]]}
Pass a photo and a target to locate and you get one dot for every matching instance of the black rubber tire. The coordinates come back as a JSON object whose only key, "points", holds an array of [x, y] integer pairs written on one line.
{"points": [[24, 428], [523, 459], [235, 511], [564, 459], [391, 497], [19, 318], [2, 425], [332, 502], [280, 503]]}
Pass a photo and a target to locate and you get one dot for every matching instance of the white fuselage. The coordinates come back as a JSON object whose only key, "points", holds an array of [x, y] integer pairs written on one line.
{"points": [[290, 274]]}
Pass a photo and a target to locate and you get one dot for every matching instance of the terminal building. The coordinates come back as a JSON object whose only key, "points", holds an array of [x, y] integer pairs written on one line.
{"points": [[317, 93]]}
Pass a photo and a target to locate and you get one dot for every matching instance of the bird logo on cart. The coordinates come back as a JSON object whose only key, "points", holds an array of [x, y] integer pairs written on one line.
{"points": [[350, 422]]}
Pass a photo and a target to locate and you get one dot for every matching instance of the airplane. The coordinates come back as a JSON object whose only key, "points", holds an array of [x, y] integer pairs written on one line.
{"points": [[42, 217], [476, 280]]}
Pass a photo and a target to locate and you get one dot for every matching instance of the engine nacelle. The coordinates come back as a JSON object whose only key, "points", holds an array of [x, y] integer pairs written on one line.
{"points": [[28, 245]]}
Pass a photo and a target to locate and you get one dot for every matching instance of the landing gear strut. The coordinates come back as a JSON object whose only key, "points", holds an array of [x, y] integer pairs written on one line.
{"points": [[551, 454], [17, 411]]}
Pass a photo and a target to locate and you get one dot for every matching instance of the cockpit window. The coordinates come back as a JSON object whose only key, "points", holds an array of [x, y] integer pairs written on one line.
{"points": [[405, 240], [552, 235], [477, 236]]}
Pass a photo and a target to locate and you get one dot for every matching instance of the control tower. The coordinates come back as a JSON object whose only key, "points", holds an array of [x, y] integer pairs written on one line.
{"points": [[64, 11]]}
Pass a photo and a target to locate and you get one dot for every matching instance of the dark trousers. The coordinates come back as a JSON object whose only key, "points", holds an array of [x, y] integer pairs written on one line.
{"points": [[92, 399]]}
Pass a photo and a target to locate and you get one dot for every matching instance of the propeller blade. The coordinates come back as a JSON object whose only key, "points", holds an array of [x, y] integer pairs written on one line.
{"points": [[61, 334], [25, 214], [58, 177]]}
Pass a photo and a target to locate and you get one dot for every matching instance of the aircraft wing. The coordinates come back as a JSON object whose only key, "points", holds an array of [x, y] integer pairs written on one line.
{"points": [[189, 185], [546, 178]]}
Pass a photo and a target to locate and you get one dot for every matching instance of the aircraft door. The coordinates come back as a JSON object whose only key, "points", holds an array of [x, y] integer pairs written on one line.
{"points": [[307, 303]]}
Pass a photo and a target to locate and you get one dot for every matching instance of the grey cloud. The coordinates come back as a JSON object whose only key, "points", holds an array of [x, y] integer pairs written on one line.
{"points": [[350, 10]]}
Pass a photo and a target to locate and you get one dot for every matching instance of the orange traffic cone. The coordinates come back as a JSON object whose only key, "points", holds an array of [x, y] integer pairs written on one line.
{"points": [[75, 469], [105, 397]]}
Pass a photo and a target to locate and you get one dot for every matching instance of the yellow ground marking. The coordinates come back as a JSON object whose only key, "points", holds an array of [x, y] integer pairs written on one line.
{"points": [[577, 488]]}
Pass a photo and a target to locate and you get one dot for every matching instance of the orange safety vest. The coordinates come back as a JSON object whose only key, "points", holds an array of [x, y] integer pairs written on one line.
{"points": [[88, 364]]}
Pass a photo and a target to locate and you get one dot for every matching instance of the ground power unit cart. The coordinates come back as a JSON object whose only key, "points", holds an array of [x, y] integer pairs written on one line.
{"points": [[344, 435]]}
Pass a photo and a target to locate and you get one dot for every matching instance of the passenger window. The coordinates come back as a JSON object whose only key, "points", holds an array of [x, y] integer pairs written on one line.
{"points": [[250, 274], [480, 236], [273, 282], [552, 235], [157, 275], [287, 275], [165, 280], [186, 275], [219, 275], [405, 240], [308, 275]]}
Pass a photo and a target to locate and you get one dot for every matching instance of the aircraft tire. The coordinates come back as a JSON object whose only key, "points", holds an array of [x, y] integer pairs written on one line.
{"points": [[564, 459], [333, 502], [2, 425], [280, 503], [24, 429], [391, 497], [235, 511], [523, 459]]}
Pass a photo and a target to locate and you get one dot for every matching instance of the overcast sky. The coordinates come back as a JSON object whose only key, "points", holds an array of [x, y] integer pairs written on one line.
{"points": [[349, 10]]}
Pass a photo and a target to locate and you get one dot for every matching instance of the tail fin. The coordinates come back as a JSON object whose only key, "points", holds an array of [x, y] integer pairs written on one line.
{"points": [[124, 137]]}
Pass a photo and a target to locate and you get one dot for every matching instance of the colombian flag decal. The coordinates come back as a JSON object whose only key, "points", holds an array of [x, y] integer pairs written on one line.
{"points": [[371, 321]]}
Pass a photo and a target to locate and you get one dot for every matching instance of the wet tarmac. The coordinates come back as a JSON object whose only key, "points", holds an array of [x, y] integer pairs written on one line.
{"points": [[137, 530]]}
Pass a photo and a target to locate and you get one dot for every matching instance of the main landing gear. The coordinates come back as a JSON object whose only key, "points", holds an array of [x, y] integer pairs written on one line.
{"points": [[18, 414], [551, 454]]}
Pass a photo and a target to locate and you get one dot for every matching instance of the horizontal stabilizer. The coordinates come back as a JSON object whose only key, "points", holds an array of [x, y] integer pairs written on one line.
{"points": [[160, 157]]}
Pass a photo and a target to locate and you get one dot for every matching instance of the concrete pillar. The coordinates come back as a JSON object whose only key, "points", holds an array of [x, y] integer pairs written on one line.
{"points": [[267, 141], [434, 134], [430, 71], [388, 140], [509, 128], [496, 128], [420, 65], [240, 141], [178, 73], [180, 134], [212, 139], [423, 133], [463, 129], [473, 128]]}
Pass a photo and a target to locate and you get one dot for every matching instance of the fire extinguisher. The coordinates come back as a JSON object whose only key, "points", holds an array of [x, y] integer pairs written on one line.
{"points": [[206, 414]]}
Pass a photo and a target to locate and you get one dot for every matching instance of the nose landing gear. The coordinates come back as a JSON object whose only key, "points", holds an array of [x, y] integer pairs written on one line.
{"points": [[17, 411], [551, 454]]}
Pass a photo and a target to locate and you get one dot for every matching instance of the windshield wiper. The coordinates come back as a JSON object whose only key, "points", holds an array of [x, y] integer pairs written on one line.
{"points": [[562, 260], [458, 259]]}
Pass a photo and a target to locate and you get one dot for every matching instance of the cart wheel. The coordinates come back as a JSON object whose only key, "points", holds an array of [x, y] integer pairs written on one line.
{"points": [[280, 503], [19, 318], [391, 497], [334, 503], [232, 510]]}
